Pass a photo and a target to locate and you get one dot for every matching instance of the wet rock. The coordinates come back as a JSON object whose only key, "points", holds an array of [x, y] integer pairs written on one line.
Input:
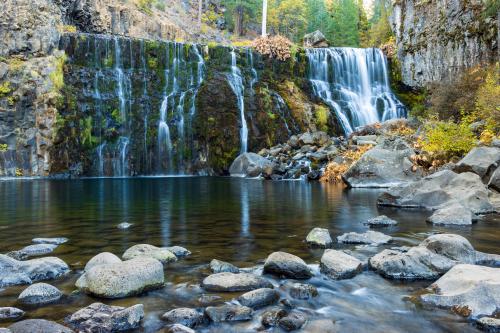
{"points": [[55, 241], [234, 282], [179, 251], [469, 290], [228, 312], [176, 328], [104, 258], [339, 265], [40, 293], [487, 259], [259, 298], [293, 321], [369, 237], [10, 313], [18, 255], [287, 265], [38, 249], [429, 260], [205, 300], [488, 324], [14, 272], [150, 251], [380, 221], [124, 225], [439, 190], [322, 326], [272, 316], [319, 237], [127, 278], [454, 214], [249, 165], [103, 318], [481, 161], [38, 326], [315, 39], [184, 316], [5, 330], [218, 266], [303, 291], [494, 182]]}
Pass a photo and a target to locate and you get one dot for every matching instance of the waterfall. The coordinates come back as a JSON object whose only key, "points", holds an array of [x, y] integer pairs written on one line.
{"points": [[354, 84], [235, 80]]}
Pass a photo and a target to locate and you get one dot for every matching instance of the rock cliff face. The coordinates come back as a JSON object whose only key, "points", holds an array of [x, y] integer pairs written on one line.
{"points": [[437, 39]]}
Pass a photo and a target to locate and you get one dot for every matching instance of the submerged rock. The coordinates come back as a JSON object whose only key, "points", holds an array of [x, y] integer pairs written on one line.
{"points": [[469, 290], [103, 258], [228, 312], [38, 249], [292, 321], [259, 298], [287, 265], [303, 291], [150, 251], [40, 293], [103, 318], [56, 240], [177, 328], [339, 265], [454, 214], [38, 326], [14, 272], [319, 237], [369, 237], [380, 221], [10, 313], [178, 251], [184, 316], [218, 266], [272, 316], [234, 282], [250, 165], [481, 160], [127, 278], [488, 324]]}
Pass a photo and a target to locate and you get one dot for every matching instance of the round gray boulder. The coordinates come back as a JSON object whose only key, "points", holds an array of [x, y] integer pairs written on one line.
{"points": [[339, 265], [146, 250], [319, 237], [259, 298], [219, 266], [9, 313], [40, 293], [228, 312], [15, 272], [184, 316], [234, 282], [287, 265], [103, 258]]}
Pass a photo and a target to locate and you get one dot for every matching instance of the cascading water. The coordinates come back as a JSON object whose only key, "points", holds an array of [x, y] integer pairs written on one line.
{"points": [[235, 80], [354, 83]]}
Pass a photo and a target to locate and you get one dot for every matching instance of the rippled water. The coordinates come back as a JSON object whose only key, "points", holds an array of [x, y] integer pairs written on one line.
{"points": [[236, 220]]}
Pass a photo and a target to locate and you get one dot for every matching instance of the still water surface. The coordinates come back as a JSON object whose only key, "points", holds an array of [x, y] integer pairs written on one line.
{"points": [[236, 220]]}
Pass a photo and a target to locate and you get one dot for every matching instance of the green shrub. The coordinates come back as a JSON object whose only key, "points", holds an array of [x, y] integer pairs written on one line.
{"points": [[5, 89], [57, 75], [322, 114], [488, 100], [3, 147]]}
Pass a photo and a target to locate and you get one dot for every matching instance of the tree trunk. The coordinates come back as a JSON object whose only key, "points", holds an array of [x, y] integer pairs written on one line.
{"points": [[200, 11], [238, 21], [264, 18]]}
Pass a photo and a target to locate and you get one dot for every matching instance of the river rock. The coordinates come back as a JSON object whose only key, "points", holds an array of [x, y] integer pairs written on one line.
{"points": [[10, 313], [103, 318], [494, 182], [55, 241], [228, 312], [234, 282], [287, 265], [293, 321], [470, 290], [218, 266], [14, 272], [440, 190], [178, 251], [259, 298], [369, 237], [480, 160], [380, 221], [38, 249], [40, 293], [184, 316], [103, 258], [177, 328], [303, 291], [38, 326], [488, 324], [272, 316], [127, 278], [319, 237], [339, 265], [150, 251], [454, 214], [250, 165], [430, 259]]}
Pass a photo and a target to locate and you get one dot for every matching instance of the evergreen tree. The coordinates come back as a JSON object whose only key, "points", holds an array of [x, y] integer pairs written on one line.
{"points": [[344, 23]]}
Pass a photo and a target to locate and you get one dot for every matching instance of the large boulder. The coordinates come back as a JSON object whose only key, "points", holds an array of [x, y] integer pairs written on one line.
{"points": [[339, 265], [315, 39], [369, 237], [127, 278], [481, 161], [439, 190], [430, 259], [287, 265], [40, 293], [146, 250], [250, 165], [103, 258], [103, 318], [15, 272], [382, 167], [234, 282], [259, 298], [469, 290], [38, 326], [454, 214]]}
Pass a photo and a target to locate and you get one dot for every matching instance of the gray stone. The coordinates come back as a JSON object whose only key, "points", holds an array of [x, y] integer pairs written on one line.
{"points": [[218, 266], [179, 251], [470, 290], [103, 318], [369, 237], [56, 241], [303, 291], [287, 265], [339, 265], [150, 251], [293, 321], [494, 182], [259, 298], [177, 328], [249, 165], [124, 225], [234, 282], [103, 258], [380, 221], [38, 326], [9, 313], [455, 214], [38, 249], [439, 190], [5, 330], [315, 39], [228, 312], [319, 237], [272, 316], [127, 278], [40, 293], [184, 316], [488, 324], [481, 161]]}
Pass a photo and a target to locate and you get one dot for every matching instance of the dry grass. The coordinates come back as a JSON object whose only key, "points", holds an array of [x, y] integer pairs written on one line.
{"points": [[334, 171], [278, 47]]}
